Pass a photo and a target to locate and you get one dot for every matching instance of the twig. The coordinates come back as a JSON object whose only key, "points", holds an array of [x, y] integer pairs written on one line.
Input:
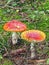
{"points": [[15, 52], [7, 3]]}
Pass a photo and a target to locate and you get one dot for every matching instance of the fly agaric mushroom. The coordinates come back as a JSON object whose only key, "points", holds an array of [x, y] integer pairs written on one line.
{"points": [[33, 36], [14, 26]]}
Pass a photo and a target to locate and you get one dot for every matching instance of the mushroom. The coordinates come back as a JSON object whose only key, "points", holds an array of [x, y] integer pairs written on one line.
{"points": [[14, 26], [33, 36]]}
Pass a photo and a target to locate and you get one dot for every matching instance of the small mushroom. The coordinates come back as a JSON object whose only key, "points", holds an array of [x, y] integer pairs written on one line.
{"points": [[14, 26], [33, 36]]}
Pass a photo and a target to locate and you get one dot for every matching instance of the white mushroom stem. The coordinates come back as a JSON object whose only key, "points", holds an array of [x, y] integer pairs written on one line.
{"points": [[14, 38], [32, 48]]}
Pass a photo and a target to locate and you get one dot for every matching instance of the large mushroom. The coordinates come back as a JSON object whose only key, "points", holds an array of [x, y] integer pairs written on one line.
{"points": [[14, 26], [33, 36]]}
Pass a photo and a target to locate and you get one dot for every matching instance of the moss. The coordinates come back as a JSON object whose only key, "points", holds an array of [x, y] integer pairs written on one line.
{"points": [[6, 62]]}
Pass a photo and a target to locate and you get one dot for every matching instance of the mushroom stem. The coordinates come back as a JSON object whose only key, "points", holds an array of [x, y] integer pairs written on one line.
{"points": [[14, 38], [32, 48]]}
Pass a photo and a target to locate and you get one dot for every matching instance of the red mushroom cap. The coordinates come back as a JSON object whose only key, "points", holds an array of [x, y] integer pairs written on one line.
{"points": [[33, 35], [14, 26]]}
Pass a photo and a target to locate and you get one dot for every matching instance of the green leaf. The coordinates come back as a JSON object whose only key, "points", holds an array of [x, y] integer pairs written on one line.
{"points": [[14, 4], [9, 1], [1, 57], [47, 61]]}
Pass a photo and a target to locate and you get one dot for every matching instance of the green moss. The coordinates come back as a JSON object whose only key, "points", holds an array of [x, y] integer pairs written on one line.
{"points": [[6, 62]]}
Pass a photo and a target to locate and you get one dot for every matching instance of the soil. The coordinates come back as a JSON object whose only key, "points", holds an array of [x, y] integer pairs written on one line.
{"points": [[24, 58]]}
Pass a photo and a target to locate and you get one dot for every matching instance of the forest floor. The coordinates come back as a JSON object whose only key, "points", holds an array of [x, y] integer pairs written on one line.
{"points": [[36, 16]]}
